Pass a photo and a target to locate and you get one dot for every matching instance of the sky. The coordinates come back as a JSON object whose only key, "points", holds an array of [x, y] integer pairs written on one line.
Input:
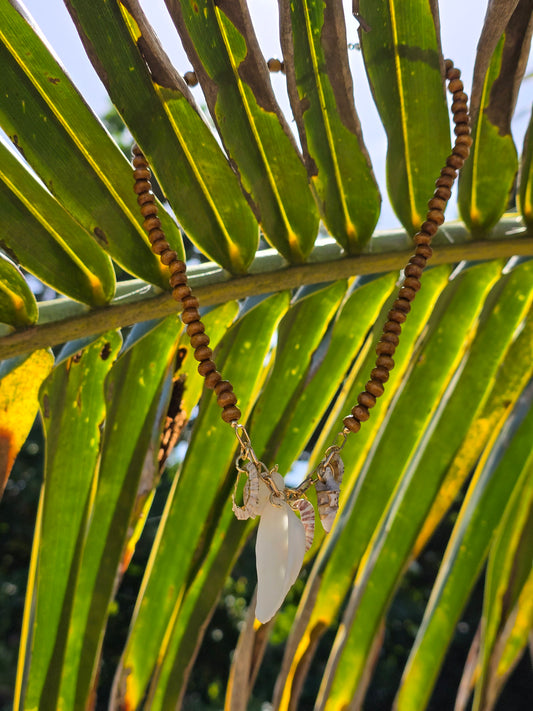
{"points": [[459, 40]]}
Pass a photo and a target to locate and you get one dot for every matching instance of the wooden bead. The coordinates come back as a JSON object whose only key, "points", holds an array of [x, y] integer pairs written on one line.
{"points": [[429, 227], [443, 193], [402, 305], [459, 105], [141, 174], [168, 257], [465, 140], [455, 161], [156, 235], [190, 315], [180, 292], [223, 386], [191, 302], [390, 338], [424, 250], [366, 399], [407, 293], [190, 78], [142, 186], [375, 388], [360, 413], [445, 181], [136, 150], [462, 129], [227, 398], [152, 223], [231, 414], [412, 283], [195, 327], [385, 361], [139, 161], [385, 348], [178, 266], [274, 65], [413, 270], [200, 339], [392, 327], [435, 216], [145, 199], [453, 73], [178, 279], [460, 117], [418, 260], [423, 237], [148, 208], [160, 246], [448, 65], [460, 96], [206, 367], [351, 424], [203, 353], [437, 204], [449, 170], [461, 150], [396, 315], [212, 379], [455, 85], [380, 374]]}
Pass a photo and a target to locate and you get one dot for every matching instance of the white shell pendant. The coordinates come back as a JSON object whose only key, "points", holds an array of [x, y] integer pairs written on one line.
{"points": [[327, 490], [279, 550]]}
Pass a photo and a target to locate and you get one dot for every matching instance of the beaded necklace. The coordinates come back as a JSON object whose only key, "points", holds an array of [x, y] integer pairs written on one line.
{"points": [[283, 538]]}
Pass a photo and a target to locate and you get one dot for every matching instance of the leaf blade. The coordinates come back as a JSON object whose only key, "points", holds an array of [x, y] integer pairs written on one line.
{"points": [[508, 572], [313, 36], [403, 61], [18, 307], [464, 557], [159, 110], [19, 404], [75, 157], [132, 393], [234, 78], [47, 241], [73, 408]]}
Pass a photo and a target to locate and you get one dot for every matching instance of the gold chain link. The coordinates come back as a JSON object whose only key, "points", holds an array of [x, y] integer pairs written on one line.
{"points": [[289, 495]]}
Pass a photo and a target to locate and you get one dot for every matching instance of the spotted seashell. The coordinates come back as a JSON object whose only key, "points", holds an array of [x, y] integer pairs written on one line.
{"points": [[252, 503], [327, 491], [328, 505], [307, 516], [334, 470]]}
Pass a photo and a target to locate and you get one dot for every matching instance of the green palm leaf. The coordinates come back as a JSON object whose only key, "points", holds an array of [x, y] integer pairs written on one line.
{"points": [[320, 88], [223, 49], [18, 307]]}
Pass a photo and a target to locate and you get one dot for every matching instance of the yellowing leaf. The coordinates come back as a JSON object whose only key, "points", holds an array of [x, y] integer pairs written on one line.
{"points": [[19, 403]]}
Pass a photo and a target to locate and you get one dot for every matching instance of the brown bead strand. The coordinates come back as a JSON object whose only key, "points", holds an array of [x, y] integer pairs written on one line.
{"points": [[413, 271], [181, 291]]}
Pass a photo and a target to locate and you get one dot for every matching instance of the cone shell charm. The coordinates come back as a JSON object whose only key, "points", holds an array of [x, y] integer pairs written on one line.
{"points": [[251, 504], [307, 516], [328, 488]]}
